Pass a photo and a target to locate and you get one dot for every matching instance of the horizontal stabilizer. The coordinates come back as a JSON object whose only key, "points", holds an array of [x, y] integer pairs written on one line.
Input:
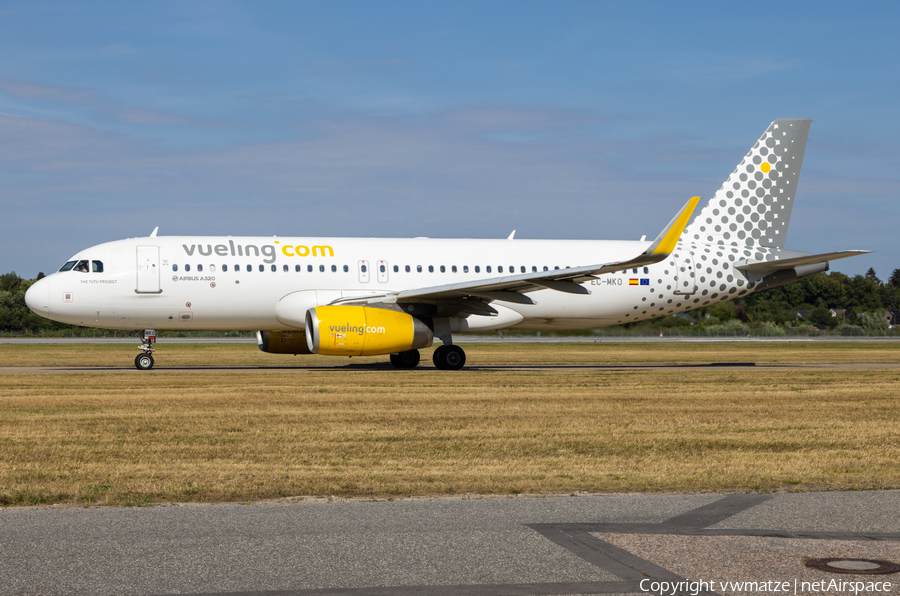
{"points": [[782, 264]]}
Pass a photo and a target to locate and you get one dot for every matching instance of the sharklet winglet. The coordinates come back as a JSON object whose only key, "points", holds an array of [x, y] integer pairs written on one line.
{"points": [[668, 238]]}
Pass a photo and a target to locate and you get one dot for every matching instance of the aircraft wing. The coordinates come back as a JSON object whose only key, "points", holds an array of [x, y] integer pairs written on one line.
{"points": [[512, 288], [782, 264]]}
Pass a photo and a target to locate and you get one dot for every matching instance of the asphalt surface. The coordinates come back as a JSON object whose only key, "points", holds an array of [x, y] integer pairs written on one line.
{"points": [[426, 367], [596, 544]]}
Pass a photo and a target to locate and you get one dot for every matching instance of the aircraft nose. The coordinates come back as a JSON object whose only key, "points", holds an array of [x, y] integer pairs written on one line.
{"points": [[38, 297]]}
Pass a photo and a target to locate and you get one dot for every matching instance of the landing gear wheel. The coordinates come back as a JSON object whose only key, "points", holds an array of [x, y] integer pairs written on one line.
{"points": [[449, 358], [407, 359], [143, 362]]}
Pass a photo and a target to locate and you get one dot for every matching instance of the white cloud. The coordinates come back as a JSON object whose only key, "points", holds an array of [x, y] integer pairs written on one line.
{"points": [[82, 98], [711, 69]]}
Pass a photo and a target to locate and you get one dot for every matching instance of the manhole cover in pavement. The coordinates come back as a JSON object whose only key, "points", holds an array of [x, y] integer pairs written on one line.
{"points": [[854, 566]]}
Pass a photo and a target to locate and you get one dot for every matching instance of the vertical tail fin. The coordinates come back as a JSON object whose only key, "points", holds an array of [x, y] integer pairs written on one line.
{"points": [[753, 207]]}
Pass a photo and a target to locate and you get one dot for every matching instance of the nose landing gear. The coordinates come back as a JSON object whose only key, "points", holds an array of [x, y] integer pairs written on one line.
{"points": [[144, 361]]}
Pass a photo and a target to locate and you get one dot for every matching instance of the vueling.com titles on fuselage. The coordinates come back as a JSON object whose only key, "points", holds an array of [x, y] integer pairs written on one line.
{"points": [[266, 250]]}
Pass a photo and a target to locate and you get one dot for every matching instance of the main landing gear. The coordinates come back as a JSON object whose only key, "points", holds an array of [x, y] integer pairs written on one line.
{"points": [[144, 361], [445, 358], [407, 359], [449, 357]]}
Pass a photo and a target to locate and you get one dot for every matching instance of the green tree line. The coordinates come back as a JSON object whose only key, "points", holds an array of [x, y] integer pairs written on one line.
{"points": [[857, 295], [863, 297], [15, 316]]}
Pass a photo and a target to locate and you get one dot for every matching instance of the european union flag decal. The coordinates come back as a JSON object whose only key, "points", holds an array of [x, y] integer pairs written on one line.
{"points": [[645, 281]]}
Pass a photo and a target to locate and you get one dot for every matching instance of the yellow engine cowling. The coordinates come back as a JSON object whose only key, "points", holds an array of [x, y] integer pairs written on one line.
{"points": [[282, 342], [363, 331]]}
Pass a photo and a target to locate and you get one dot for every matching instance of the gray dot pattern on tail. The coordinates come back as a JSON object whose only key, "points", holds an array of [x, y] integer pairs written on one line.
{"points": [[753, 207]]}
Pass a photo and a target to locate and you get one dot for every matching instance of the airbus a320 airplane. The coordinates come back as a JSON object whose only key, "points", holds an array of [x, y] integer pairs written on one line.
{"points": [[363, 297]]}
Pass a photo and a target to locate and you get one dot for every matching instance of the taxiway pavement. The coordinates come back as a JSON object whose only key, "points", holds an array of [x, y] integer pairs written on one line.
{"points": [[585, 544], [376, 366]]}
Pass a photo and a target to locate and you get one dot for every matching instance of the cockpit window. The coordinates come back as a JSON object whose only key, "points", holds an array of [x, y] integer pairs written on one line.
{"points": [[82, 266], [67, 266], [98, 266]]}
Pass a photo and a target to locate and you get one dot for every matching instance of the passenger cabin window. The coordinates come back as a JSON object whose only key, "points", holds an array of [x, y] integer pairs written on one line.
{"points": [[97, 266], [297, 268], [418, 269], [396, 268], [488, 268], [274, 269], [453, 268], [382, 268], [249, 268], [322, 268], [286, 268], [199, 267], [646, 270], [174, 267], [309, 268], [334, 268], [224, 268], [262, 268], [546, 268], [67, 266], [465, 268], [523, 268], [477, 269], [347, 269], [187, 267], [431, 269], [82, 266], [407, 268], [443, 269], [212, 268]]}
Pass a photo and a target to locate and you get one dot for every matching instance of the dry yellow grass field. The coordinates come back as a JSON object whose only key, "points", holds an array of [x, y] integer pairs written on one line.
{"points": [[127, 437]]}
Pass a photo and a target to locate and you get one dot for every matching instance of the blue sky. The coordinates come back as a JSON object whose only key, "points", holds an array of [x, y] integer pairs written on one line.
{"points": [[560, 120]]}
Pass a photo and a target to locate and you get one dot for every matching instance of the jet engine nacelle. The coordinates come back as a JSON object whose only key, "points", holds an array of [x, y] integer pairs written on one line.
{"points": [[363, 331], [282, 342]]}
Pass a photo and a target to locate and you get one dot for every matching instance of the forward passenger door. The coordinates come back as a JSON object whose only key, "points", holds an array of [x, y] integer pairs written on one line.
{"points": [[148, 270]]}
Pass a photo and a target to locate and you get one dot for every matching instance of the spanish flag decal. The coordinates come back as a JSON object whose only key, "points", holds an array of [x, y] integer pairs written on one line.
{"points": [[633, 281]]}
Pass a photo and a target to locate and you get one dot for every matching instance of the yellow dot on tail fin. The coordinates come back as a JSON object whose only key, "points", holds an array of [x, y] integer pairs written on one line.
{"points": [[765, 167]]}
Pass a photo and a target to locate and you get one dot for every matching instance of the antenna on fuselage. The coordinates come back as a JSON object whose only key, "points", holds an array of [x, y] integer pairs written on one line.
{"points": [[511, 236], [153, 233]]}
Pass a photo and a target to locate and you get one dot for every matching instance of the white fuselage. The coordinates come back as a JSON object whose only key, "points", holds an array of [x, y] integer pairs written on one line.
{"points": [[238, 283]]}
